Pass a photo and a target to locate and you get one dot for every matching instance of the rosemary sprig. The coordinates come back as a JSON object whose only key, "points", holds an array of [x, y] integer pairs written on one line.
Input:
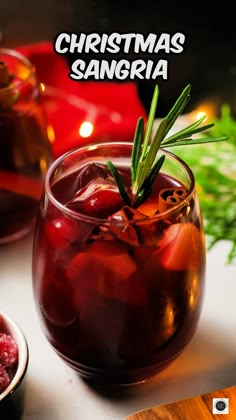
{"points": [[119, 182], [145, 164], [138, 136]]}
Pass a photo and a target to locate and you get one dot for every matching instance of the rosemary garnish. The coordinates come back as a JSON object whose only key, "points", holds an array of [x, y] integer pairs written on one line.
{"points": [[145, 163]]}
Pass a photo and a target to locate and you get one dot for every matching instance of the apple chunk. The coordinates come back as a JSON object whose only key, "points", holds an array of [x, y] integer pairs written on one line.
{"points": [[104, 269], [182, 247]]}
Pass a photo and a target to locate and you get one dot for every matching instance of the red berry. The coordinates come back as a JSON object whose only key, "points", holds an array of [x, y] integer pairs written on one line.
{"points": [[103, 201], [60, 232], [4, 379], [8, 350]]}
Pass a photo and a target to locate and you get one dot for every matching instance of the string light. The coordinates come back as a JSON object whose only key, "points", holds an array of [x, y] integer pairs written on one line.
{"points": [[201, 114], [51, 133], [86, 129], [208, 109], [42, 87]]}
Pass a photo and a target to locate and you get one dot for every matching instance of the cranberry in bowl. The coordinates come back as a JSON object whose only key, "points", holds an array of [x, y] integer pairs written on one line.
{"points": [[14, 357]]}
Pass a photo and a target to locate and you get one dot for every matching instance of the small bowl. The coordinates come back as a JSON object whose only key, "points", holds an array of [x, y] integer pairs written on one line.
{"points": [[12, 398]]}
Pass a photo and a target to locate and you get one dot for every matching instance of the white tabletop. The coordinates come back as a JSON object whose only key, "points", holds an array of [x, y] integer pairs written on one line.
{"points": [[55, 392]]}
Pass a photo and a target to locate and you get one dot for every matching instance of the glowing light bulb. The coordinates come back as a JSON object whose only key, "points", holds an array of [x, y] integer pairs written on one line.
{"points": [[207, 109], [42, 87], [51, 133], [86, 129], [23, 72], [43, 165], [200, 114]]}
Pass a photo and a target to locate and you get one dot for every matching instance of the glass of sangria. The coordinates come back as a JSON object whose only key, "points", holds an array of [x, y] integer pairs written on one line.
{"points": [[25, 151], [118, 289]]}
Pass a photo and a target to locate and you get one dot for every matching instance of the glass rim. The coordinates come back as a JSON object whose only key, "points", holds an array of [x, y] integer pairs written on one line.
{"points": [[23, 59], [98, 220]]}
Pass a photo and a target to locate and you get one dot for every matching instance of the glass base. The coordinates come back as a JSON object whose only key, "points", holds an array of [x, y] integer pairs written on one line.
{"points": [[117, 377]]}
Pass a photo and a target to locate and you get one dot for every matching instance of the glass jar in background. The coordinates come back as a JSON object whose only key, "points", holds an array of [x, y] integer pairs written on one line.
{"points": [[25, 151]]}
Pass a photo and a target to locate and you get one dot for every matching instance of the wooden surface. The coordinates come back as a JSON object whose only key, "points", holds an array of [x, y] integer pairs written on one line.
{"points": [[197, 408]]}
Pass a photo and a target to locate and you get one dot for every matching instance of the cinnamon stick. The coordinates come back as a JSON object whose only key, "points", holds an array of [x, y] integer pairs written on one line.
{"points": [[170, 197]]}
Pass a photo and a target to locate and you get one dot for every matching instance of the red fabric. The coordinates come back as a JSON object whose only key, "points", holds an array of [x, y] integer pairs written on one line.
{"points": [[113, 108]]}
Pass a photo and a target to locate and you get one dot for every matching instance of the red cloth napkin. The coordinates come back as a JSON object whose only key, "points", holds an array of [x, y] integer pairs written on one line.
{"points": [[112, 108]]}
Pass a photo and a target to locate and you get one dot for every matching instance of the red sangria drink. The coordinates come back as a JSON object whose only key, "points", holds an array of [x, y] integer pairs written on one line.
{"points": [[119, 253], [25, 152], [118, 287]]}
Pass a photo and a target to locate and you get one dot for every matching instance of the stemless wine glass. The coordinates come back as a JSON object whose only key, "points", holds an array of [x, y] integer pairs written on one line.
{"points": [[118, 298], [25, 152]]}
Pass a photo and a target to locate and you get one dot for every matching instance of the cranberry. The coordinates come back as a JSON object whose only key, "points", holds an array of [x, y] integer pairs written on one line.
{"points": [[4, 379], [102, 202], [60, 232], [8, 350]]}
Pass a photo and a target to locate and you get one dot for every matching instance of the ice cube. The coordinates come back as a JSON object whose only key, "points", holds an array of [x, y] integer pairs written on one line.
{"points": [[91, 172], [123, 227], [99, 198], [136, 228]]}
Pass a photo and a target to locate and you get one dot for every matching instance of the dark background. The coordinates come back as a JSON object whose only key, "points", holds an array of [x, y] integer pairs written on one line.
{"points": [[208, 61]]}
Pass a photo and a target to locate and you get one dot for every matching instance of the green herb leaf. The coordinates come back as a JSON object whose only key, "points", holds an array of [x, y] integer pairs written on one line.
{"points": [[150, 122], [145, 164], [119, 182], [138, 137], [188, 141], [178, 107], [193, 129], [153, 173]]}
